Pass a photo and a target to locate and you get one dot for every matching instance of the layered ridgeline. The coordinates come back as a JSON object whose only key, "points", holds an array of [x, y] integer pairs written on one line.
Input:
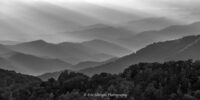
{"points": [[38, 57], [180, 49], [142, 39], [29, 64], [103, 32], [107, 47], [148, 24], [77, 67], [154, 30], [72, 52]]}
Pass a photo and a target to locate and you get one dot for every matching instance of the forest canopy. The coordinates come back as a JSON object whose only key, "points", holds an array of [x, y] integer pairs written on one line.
{"points": [[174, 80]]}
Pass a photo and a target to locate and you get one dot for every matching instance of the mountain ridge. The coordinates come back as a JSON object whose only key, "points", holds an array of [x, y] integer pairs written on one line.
{"points": [[155, 52], [142, 39], [66, 51]]}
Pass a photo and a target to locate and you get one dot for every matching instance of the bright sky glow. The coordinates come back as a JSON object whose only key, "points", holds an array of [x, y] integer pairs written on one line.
{"points": [[36, 17]]}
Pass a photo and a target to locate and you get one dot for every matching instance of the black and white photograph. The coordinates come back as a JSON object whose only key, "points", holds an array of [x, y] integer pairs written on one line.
{"points": [[99, 49]]}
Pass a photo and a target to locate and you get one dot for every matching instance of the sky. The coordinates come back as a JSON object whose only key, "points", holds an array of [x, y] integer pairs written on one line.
{"points": [[144, 5], [156, 7], [24, 20]]}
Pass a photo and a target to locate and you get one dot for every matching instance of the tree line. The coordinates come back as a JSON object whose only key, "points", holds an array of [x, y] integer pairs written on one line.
{"points": [[174, 80]]}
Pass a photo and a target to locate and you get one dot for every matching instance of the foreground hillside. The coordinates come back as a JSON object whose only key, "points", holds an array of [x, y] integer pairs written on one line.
{"points": [[9, 78], [174, 80], [11, 81]]}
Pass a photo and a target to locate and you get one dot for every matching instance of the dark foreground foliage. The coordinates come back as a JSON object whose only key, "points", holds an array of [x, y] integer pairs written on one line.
{"points": [[175, 80], [11, 82]]}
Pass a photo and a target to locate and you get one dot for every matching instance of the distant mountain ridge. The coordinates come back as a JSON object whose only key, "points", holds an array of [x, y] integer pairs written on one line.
{"points": [[73, 53], [7, 42], [68, 52], [142, 39], [34, 65], [77, 67], [29, 64], [103, 32], [180, 49], [107, 47], [4, 49], [38, 57], [148, 24]]}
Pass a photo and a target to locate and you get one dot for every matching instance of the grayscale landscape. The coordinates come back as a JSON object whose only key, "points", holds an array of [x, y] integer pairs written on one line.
{"points": [[76, 49]]}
